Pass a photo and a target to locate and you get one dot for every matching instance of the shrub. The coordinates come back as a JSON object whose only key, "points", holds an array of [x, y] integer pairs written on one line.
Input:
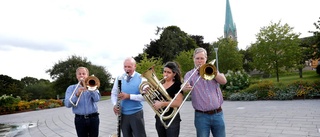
{"points": [[283, 94], [262, 89], [236, 81], [266, 90], [241, 96], [8, 103], [318, 69]]}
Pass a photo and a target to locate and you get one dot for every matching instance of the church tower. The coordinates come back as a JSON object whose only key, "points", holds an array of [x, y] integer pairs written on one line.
{"points": [[230, 30]]}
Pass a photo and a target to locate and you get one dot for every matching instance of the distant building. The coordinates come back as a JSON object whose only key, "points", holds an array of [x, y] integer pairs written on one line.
{"points": [[230, 30]]}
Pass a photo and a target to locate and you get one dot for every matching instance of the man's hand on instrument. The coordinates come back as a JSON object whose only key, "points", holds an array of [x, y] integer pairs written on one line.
{"points": [[187, 87], [124, 96], [116, 109], [80, 90]]}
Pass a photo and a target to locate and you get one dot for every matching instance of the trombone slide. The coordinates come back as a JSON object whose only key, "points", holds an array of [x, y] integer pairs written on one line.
{"points": [[207, 71], [91, 83], [74, 92]]}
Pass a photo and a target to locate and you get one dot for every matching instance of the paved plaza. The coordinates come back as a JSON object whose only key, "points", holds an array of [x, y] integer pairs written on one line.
{"points": [[294, 118]]}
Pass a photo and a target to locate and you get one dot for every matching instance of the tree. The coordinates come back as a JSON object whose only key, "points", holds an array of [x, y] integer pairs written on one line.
{"points": [[147, 63], [172, 41], [307, 52], [63, 73], [316, 39], [185, 60], [229, 58], [199, 41], [247, 57], [103, 75], [40, 90], [276, 49], [10, 86], [29, 81]]}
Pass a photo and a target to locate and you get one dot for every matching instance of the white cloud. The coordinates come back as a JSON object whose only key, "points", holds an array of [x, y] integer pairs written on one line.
{"points": [[35, 34]]}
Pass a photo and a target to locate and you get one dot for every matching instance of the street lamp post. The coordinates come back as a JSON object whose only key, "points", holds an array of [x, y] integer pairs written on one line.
{"points": [[216, 50]]}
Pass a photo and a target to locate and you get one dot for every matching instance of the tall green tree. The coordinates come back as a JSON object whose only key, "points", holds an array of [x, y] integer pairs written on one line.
{"points": [[316, 39], [171, 42], [276, 49], [229, 57], [64, 73]]}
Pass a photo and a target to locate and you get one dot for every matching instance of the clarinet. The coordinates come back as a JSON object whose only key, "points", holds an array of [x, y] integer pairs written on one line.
{"points": [[119, 114], [119, 107]]}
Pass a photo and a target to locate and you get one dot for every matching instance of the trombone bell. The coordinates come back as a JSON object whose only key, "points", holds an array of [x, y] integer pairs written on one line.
{"points": [[91, 83], [208, 71]]}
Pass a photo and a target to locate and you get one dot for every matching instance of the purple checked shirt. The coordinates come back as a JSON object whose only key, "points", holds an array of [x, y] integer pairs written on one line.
{"points": [[206, 94]]}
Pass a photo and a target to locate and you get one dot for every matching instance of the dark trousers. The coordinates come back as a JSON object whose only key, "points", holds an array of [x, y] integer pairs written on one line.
{"points": [[133, 125], [172, 131], [87, 126]]}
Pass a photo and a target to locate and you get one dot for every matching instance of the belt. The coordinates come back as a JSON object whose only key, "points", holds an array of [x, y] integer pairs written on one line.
{"points": [[210, 112], [88, 116]]}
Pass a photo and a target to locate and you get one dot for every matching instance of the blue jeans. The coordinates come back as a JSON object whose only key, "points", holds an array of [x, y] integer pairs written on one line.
{"points": [[206, 122]]}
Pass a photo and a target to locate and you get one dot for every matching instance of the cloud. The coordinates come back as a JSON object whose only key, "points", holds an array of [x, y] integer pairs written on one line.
{"points": [[36, 34]]}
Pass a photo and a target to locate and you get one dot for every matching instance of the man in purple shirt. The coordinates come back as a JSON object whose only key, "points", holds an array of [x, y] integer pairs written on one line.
{"points": [[206, 99]]}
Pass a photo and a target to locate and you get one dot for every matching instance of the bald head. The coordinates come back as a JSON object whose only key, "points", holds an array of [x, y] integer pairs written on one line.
{"points": [[129, 65]]}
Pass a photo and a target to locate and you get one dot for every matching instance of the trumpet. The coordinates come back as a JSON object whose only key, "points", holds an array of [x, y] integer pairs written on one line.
{"points": [[207, 71], [91, 83]]}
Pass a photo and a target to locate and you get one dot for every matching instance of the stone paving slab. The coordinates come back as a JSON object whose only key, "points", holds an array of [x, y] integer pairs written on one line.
{"points": [[294, 118]]}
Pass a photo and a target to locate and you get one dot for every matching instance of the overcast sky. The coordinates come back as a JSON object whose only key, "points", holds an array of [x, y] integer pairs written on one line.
{"points": [[36, 34]]}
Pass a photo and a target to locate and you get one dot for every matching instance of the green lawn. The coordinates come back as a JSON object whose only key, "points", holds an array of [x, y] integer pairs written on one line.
{"points": [[104, 97], [309, 75]]}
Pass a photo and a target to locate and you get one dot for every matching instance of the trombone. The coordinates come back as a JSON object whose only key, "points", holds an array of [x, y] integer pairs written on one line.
{"points": [[91, 83], [207, 71]]}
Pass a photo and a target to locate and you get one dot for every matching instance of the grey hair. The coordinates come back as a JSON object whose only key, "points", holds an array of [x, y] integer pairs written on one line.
{"points": [[131, 59], [198, 50], [82, 68]]}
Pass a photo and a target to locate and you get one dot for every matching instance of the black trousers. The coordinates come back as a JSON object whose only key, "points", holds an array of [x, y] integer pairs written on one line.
{"points": [[87, 126], [133, 125], [172, 131]]}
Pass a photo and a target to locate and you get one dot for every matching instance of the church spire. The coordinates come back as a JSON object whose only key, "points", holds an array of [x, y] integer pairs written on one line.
{"points": [[230, 29]]}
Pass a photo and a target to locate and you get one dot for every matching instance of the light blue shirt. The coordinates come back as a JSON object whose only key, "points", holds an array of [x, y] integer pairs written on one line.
{"points": [[87, 103]]}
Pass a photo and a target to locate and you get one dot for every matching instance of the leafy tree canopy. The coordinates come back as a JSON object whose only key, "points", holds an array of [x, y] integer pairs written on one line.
{"points": [[229, 57], [171, 42], [64, 73], [276, 49], [316, 40]]}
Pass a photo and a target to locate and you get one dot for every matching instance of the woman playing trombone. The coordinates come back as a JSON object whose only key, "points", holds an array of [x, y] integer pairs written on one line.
{"points": [[83, 104]]}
